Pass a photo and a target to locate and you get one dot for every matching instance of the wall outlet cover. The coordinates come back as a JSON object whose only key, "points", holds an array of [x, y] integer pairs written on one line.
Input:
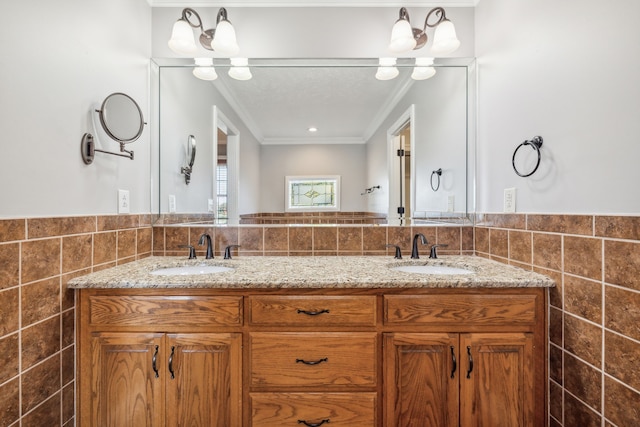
{"points": [[124, 202], [509, 200], [451, 203]]}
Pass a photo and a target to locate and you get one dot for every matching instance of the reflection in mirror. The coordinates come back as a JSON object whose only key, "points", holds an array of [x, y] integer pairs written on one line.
{"points": [[354, 116], [190, 159]]}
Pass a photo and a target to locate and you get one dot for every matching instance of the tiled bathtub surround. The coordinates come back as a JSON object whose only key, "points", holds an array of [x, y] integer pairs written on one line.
{"points": [[594, 326], [37, 314]]}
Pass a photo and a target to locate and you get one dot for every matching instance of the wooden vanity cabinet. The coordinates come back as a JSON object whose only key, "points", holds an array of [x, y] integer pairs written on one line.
{"points": [[336, 357], [146, 360]]}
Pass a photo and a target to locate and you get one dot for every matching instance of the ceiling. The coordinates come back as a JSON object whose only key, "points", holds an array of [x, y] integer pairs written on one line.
{"points": [[345, 104], [311, 3]]}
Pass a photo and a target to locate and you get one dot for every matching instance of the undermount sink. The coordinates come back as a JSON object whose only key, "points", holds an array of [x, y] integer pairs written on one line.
{"points": [[431, 269], [187, 270]]}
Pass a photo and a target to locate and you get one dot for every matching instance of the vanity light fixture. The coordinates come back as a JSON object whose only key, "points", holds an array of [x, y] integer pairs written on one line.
{"points": [[405, 38], [221, 39], [387, 69], [239, 69], [204, 69], [423, 69]]}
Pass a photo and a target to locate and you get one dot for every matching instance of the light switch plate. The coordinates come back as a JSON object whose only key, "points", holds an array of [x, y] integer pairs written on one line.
{"points": [[172, 203], [210, 206], [124, 202], [451, 203], [509, 200]]}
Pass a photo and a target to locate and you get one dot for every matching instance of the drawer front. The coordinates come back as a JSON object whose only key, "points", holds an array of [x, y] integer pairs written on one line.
{"points": [[165, 310], [296, 409], [313, 310], [454, 309], [313, 359]]}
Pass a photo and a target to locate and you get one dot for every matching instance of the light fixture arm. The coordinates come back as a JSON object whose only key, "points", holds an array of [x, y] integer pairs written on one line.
{"points": [[440, 15], [222, 15], [186, 14]]}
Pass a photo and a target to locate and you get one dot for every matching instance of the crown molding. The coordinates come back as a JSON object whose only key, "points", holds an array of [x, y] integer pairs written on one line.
{"points": [[312, 3], [313, 140]]}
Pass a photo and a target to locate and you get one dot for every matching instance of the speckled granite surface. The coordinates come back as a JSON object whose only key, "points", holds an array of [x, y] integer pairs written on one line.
{"points": [[312, 272]]}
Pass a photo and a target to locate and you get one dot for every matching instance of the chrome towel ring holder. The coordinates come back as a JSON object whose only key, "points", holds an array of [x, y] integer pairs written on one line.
{"points": [[535, 143], [438, 174]]}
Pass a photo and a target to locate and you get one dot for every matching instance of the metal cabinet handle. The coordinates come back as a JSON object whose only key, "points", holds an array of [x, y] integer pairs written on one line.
{"points": [[454, 362], [171, 363], [314, 424], [470, 362], [312, 362], [312, 313], [154, 363]]}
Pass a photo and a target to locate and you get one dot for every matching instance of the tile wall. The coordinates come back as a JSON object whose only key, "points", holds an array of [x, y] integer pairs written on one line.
{"points": [[594, 329], [37, 314], [300, 240]]}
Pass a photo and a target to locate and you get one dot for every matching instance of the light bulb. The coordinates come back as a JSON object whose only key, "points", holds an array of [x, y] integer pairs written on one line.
{"points": [[387, 69], [239, 69], [182, 41], [402, 39], [204, 69], [224, 39], [423, 69], [444, 38]]}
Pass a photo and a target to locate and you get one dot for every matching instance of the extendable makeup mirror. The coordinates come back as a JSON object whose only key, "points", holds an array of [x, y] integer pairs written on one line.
{"points": [[121, 118]]}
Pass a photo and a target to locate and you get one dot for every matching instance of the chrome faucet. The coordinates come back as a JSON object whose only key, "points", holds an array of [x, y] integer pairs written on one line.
{"points": [[209, 245], [414, 248]]}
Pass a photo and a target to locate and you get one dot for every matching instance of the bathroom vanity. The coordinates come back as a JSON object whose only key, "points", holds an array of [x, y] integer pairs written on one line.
{"points": [[312, 341]]}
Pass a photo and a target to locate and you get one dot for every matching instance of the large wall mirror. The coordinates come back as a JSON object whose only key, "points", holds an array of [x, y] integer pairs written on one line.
{"points": [[307, 117]]}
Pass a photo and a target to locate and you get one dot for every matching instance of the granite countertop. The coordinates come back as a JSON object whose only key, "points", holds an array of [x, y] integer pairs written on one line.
{"points": [[312, 272]]}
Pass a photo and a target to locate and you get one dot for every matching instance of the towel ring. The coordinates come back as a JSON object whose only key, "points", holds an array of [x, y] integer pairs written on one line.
{"points": [[437, 173], [535, 143]]}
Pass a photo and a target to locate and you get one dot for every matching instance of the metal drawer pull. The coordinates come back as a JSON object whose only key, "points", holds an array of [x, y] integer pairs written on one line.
{"points": [[455, 364], [154, 363], [312, 313], [171, 363], [312, 362], [470, 362], [313, 424]]}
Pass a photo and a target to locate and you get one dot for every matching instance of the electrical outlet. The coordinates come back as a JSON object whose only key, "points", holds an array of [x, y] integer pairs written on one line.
{"points": [[451, 202], [172, 203], [509, 200], [210, 206], [124, 202]]}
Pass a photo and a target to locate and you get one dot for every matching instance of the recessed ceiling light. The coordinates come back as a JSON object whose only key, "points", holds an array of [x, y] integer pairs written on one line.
{"points": [[313, 129]]}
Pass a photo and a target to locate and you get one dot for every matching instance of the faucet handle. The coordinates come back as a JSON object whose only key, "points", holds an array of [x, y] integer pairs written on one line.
{"points": [[433, 254], [398, 254], [192, 251], [227, 251]]}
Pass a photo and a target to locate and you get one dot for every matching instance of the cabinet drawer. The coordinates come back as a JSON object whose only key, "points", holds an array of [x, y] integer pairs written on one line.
{"points": [[165, 310], [294, 409], [313, 359], [313, 310], [454, 309]]}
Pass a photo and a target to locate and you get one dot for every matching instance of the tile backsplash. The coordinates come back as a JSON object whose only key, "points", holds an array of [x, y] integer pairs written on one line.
{"points": [[37, 314], [594, 328]]}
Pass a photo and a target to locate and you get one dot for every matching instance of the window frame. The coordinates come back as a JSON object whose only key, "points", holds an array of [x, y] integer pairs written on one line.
{"points": [[294, 179]]}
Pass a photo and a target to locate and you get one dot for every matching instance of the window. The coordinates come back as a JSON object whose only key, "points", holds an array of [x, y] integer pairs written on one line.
{"points": [[312, 193], [222, 193]]}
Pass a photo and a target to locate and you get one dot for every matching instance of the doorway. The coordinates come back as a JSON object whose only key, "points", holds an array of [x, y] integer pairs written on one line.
{"points": [[226, 139], [401, 142]]}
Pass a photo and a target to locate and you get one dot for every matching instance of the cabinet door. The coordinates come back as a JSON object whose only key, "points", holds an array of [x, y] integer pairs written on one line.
{"points": [[204, 384], [496, 385], [126, 391], [421, 380]]}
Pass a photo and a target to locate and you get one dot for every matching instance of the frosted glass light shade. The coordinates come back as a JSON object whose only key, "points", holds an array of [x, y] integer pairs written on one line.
{"points": [[401, 37], [239, 69], [182, 41], [387, 69], [423, 69], [445, 39], [204, 69], [224, 39]]}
